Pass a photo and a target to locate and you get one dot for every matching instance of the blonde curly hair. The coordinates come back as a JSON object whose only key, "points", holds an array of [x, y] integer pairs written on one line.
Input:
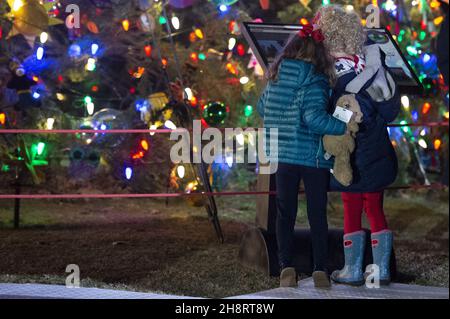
{"points": [[342, 29]]}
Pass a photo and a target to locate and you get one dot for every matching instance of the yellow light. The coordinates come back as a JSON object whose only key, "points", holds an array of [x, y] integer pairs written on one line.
{"points": [[35, 79], [199, 33], [126, 24], [438, 20], [144, 145], [17, 5], [437, 144], [434, 4], [2, 118], [446, 115], [363, 22], [304, 21], [60, 96]]}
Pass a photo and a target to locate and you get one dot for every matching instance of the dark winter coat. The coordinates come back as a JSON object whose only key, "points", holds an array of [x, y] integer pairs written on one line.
{"points": [[374, 161]]}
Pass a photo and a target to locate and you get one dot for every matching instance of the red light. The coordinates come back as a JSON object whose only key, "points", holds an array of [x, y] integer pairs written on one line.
{"points": [[194, 57], [132, 90], [426, 108], [241, 49], [148, 50], [164, 62], [94, 88], [194, 101]]}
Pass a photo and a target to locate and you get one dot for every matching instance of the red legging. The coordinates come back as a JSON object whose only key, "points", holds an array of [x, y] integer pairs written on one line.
{"points": [[371, 203]]}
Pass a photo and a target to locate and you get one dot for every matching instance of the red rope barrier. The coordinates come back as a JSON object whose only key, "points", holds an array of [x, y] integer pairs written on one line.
{"points": [[172, 195], [161, 131]]}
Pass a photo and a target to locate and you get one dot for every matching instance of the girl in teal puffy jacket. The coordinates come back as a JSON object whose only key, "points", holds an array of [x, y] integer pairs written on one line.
{"points": [[295, 102]]}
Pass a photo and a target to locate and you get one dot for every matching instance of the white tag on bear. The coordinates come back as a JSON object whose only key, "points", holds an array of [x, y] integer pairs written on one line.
{"points": [[342, 114]]}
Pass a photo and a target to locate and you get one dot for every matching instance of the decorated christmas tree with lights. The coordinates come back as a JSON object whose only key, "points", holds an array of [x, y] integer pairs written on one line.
{"points": [[145, 64]]}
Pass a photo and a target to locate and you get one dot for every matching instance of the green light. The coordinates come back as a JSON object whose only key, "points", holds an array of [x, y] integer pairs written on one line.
{"points": [[40, 148], [162, 20], [87, 99], [404, 128], [202, 56], [248, 110], [411, 50], [422, 35], [5, 168], [325, 2]]}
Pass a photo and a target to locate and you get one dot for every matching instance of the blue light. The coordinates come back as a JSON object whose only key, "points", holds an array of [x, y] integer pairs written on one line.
{"points": [[103, 127], [223, 8], [94, 48], [128, 173], [36, 95], [40, 53], [415, 115], [426, 58], [142, 105], [74, 51]]}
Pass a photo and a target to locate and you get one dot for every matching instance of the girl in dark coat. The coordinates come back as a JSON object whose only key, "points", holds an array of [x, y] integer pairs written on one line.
{"points": [[362, 72]]}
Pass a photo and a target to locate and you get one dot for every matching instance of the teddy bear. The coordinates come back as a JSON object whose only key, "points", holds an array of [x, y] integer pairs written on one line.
{"points": [[342, 146]]}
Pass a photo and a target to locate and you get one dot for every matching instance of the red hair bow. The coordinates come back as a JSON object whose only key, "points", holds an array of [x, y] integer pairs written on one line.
{"points": [[308, 31]]}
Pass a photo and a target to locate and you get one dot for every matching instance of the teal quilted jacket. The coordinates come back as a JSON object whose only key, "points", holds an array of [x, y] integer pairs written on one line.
{"points": [[296, 104]]}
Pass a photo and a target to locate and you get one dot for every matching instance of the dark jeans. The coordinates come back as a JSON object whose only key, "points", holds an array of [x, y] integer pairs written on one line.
{"points": [[316, 181]]}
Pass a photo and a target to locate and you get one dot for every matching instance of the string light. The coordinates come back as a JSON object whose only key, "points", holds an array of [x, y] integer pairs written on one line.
{"points": [[231, 43], [148, 50], [422, 143], [248, 110], [40, 53], [94, 48], [405, 102], [43, 37], [175, 22], [40, 148], [244, 80], [128, 173], [170, 125], [426, 108], [90, 65], [17, 4], [437, 144], [126, 24], [199, 33], [50, 122], [181, 171], [144, 145]]}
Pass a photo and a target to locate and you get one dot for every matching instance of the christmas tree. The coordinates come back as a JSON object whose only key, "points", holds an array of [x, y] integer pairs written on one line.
{"points": [[144, 64]]}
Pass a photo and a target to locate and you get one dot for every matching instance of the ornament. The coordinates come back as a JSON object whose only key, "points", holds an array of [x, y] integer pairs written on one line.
{"points": [[215, 113], [30, 17], [109, 119]]}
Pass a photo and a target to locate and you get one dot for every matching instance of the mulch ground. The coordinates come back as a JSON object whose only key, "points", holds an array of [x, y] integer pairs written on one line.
{"points": [[147, 246]]}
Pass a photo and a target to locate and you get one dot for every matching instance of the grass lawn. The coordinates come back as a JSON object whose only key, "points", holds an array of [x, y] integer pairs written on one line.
{"points": [[144, 245]]}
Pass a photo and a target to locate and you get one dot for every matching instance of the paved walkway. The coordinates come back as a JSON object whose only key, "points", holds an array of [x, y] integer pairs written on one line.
{"points": [[305, 290]]}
